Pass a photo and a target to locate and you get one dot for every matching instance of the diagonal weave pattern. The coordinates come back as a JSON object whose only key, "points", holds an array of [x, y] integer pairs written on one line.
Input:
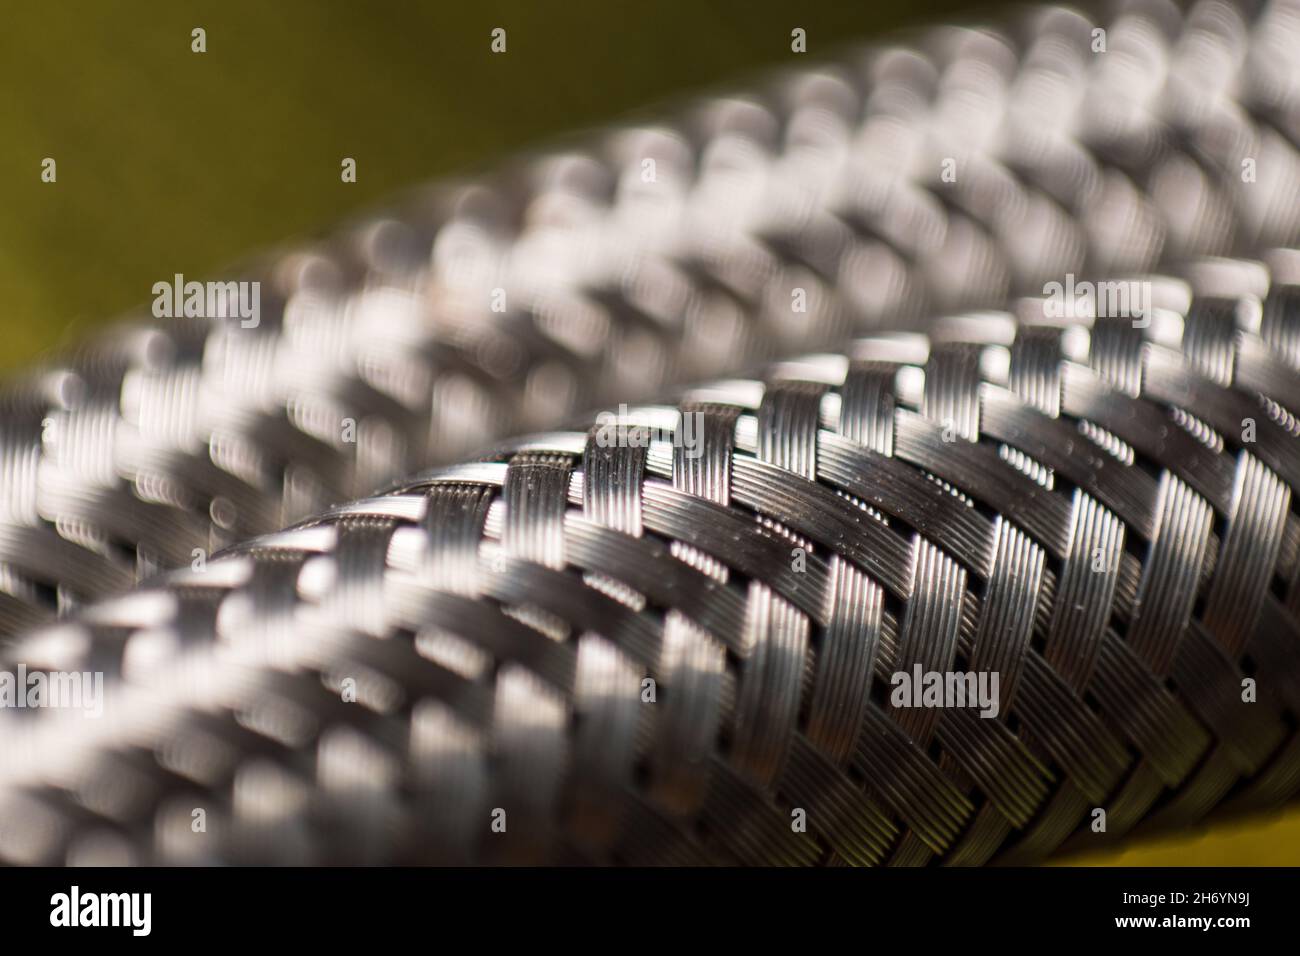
{"points": [[1101, 513], [378, 351]]}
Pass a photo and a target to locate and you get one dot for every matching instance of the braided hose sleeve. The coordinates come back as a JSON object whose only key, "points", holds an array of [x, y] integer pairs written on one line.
{"points": [[895, 183], [707, 632]]}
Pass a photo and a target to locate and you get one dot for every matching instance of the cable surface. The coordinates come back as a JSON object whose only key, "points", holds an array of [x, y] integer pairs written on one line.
{"points": [[894, 184], [674, 636], [674, 633]]}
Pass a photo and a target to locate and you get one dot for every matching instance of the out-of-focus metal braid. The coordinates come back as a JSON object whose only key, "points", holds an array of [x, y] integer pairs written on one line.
{"points": [[885, 187], [672, 636]]}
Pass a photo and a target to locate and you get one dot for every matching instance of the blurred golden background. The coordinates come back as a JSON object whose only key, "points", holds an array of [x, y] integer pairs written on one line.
{"points": [[173, 161]]}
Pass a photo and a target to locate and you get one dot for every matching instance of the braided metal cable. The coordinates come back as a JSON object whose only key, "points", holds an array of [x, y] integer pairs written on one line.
{"points": [[652, 255], [671, 635]]}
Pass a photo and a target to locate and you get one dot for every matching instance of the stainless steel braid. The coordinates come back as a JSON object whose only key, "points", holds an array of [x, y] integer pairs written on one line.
{"points": [[651, 255], [671, 635]]}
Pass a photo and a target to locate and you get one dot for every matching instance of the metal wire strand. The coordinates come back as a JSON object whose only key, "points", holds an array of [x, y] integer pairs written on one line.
{"points": [[672, 635], [877, 190]]}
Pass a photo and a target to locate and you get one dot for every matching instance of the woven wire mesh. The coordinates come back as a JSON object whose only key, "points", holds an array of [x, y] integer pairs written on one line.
{"points": [[649, 255], [1097, 511], [663, 638]]}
